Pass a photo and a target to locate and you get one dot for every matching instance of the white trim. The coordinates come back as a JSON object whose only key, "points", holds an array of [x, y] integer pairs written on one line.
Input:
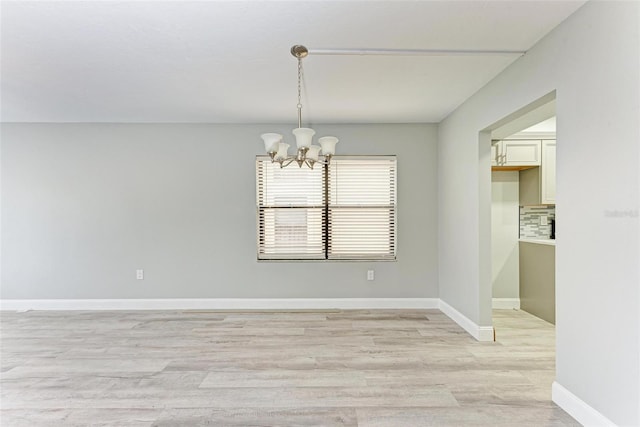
{"points": [[481, 333], [506, 303], [217, 304], [577, 408]]}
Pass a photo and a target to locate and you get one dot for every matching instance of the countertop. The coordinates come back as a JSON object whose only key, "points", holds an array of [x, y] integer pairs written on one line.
{"points": [[549, 242]]}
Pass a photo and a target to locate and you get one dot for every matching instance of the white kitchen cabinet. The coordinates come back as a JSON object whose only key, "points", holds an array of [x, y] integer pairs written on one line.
{"points": [[548, 173], [538, 185], [516, 153]]}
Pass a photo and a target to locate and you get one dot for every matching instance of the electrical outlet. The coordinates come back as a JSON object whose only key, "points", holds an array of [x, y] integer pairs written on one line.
{"points": [[543, 220], [139, 274], [370, 275]]}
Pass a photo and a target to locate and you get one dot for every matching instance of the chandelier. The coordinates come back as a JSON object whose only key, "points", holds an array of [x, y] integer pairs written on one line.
{"points": [[307, 152]]}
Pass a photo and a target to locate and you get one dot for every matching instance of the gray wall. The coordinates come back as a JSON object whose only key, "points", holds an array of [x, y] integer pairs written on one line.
{"points": [[85, 205], [592, 62]]}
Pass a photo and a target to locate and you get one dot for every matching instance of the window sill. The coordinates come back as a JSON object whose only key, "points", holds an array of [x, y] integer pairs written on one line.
{"points": [[327, 260]]}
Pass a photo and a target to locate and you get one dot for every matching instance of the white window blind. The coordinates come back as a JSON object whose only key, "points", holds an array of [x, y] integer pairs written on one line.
{"points": [[290, 211], [346, 210], [362, 208]]}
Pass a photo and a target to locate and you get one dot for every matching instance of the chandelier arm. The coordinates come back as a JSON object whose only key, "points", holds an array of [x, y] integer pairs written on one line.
{"points": [[301, 159], [286, 162]]}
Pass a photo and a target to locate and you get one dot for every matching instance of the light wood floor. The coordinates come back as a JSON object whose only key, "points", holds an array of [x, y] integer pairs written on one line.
{"points": [[328, 368]]}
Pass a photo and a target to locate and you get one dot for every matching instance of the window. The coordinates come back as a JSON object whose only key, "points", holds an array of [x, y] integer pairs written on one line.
{"points": [[346, 210]]}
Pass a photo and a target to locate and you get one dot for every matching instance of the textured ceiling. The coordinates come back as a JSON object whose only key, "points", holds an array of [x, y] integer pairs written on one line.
{"points": [[229, 62]]}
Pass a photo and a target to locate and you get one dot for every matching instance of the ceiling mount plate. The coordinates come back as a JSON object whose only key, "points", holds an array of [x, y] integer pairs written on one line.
{"points": [[299, 51]]}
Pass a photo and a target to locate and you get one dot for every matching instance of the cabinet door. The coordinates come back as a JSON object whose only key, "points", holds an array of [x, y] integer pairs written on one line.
{"points": [[521, 153], [495, 152], [548, 172]]}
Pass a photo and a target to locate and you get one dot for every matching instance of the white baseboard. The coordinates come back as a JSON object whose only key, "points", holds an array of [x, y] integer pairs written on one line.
{"points": [[577, 408], [217, 304], [481, 333], [506, 303]]}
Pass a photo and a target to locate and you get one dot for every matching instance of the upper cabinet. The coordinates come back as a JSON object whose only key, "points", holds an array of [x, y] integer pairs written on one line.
{"points": [[538, 185], [515, 154], [548, 172]]}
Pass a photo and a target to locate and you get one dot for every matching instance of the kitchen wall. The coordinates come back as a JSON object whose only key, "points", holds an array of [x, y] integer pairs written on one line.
{"points": [[592, 63], [530, 227], [504, 234], [85, 205]]}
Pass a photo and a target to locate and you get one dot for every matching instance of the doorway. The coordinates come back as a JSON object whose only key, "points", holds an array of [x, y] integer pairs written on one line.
{"points": [[523, 218], [523, 214]]}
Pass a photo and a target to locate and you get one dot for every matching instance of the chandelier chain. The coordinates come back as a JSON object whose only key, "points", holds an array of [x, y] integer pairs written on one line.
{"points": [[299, 93]]}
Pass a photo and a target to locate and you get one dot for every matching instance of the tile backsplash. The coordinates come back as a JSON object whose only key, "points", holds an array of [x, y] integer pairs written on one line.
{"points": [[530, 227]]}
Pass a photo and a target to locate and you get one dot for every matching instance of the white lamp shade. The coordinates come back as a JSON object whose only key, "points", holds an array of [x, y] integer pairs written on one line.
{"points": [[328, 144], [313, 153], [282, 151], [271, 141], [303, 136]]}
